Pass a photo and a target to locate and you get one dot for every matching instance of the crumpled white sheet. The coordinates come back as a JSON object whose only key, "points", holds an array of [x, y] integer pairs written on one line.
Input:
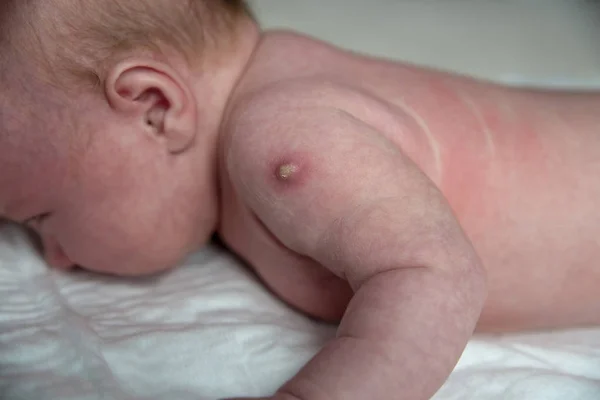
{"points": [[209, 330], [205, 331]]}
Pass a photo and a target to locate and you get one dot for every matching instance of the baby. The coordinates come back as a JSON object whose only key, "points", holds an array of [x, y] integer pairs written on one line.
{"points": [[413, 206]]}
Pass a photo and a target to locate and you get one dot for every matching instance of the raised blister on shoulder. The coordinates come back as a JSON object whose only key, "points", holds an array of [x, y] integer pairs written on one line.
{"points": [[285, 172], [291, 171]]}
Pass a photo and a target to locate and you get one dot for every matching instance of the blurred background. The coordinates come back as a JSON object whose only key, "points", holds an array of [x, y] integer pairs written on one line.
{"points": [[534, 42]]}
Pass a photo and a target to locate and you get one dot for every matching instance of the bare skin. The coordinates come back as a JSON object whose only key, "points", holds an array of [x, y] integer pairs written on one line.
{"points": [[388, 197], [519, 169]]}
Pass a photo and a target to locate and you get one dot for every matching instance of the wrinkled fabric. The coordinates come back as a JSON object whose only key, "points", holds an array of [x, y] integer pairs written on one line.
{"points": [[210, 330]]}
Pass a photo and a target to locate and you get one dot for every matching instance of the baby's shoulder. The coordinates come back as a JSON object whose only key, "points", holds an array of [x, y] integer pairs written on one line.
{"points": [[281, 102], [284, 100]]}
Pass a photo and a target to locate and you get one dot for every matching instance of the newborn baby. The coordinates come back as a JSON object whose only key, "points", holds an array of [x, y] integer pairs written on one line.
{"points": [[414, 206]]}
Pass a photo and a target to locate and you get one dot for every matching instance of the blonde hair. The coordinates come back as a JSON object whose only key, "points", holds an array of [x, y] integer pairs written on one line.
{"points": [[77, 39]]}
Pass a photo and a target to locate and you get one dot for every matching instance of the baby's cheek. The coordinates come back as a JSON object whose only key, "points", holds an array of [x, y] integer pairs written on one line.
{"points": [[118, 246], [77, 246], [88, 242], [124, 232]]}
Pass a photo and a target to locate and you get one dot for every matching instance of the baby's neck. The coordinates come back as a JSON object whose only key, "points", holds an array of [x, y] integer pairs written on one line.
{"points": [[216, 82], [229, 67]]}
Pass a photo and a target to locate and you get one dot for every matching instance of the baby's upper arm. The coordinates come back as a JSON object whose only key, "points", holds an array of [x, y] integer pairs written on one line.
{"points": [[331, 187]]}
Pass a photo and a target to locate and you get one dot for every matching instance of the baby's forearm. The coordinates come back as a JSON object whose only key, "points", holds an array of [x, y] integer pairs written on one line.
{"points": [[401, 337]]}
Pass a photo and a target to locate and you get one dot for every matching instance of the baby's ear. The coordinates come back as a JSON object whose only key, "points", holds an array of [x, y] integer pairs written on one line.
{"points": [[156, 98]]}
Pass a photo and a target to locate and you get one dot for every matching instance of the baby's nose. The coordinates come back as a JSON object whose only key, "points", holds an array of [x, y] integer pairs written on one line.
{"points": [[55, 256]]}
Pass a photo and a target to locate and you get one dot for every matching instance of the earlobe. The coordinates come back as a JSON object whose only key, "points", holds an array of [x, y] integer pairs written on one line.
{"points": [[153, 95]]}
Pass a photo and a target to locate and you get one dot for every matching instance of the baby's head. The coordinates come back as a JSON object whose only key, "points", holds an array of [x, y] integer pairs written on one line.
{"points": [[109, 120]]}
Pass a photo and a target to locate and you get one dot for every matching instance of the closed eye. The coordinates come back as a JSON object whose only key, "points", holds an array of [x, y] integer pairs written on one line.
{"points": [[35, 221]]}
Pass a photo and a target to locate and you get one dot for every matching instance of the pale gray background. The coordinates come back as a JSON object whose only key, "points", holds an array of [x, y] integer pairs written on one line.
{"points": [[528, 41]]}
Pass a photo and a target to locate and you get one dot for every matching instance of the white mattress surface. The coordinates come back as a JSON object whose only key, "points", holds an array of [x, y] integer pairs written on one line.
{"points": [[209, 330]]}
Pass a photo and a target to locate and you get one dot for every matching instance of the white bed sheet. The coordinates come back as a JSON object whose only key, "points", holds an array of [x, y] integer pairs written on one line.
{"points": [[209, 330]]}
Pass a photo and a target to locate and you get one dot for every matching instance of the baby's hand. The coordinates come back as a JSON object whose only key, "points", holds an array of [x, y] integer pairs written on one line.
{"points": [[331, 188]]}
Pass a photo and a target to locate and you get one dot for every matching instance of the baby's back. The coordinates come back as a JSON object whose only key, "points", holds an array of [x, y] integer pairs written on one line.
{"points": [[519, 168]]}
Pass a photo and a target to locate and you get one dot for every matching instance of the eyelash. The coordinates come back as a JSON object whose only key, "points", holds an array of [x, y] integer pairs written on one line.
{"points": [[38, 219]]}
